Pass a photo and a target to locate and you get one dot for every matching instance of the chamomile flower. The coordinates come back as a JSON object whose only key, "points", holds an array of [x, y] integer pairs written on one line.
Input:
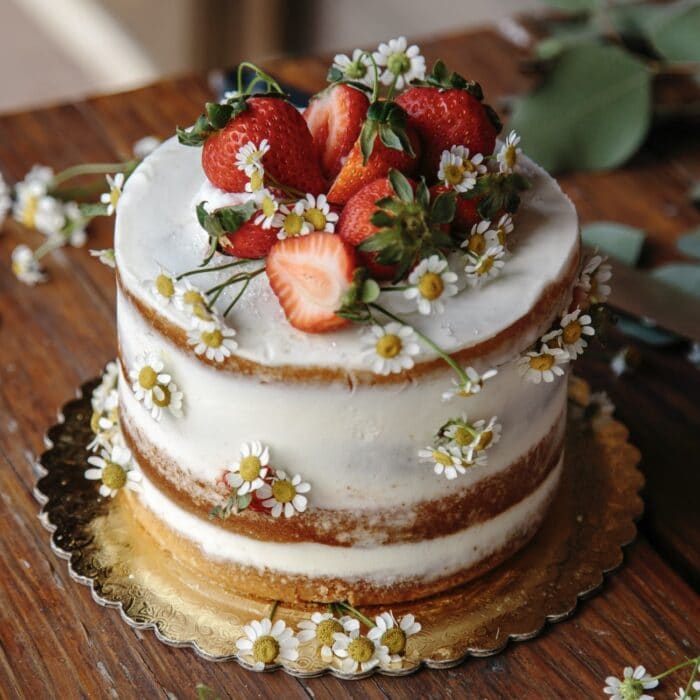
{"points": [[458, 170], [391, 348], [145, 146], [484, 267], [247, 474], [544, 365], [5, 199], [431, 282], [595, 277], [284, 495], [213, 340], [499, 235], [115, 469], [111, 198], [402, 63], [256, 182], [249, 157], [508, 154], [473, 384], [74, 226], [107, 383], [154, 387], [357, 652], [574, 327], [632, 685], [480, 238], [29, 192], [164, 287], [393, 633], [321, 627], [49, 216], [191, 301], [318, 214], [692, 695], [25, 267], [105, 424], [445, 460], [265, 643], [358, 69], [291, 222], [486, 434], [105, 256], [268, 206]]}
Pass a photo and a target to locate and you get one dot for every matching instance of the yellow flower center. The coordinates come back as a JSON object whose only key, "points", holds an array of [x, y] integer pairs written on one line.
{"points": [[250, 468], [113, 476], [431, 286], [316, 218], [484, 440], [394, 639], [485, 265], [292, 224], [361, 649], [269, 207], [165, 286], [148, 377], [510, 157], [212, 339], [192, 297], [161, 399], [389, 346], [256, 181], [501, 234], [477, 243], [463, 437], [398, 63], [283, 491], [265, 649], [29, 212], [326, 630], [542, 362], [442, 458], [453, 174], [95, 422], [200, 311], [114, 195], [572, 332]]}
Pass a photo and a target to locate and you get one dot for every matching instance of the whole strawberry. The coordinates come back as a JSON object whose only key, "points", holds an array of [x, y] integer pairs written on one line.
{"points": [[466, 213], [446, 110]]}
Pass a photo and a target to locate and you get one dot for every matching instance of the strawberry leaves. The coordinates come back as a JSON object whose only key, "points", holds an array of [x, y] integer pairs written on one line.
{"points": [[386, 120], [498, 192], [216, 116], [440, 77], [222, 221]]}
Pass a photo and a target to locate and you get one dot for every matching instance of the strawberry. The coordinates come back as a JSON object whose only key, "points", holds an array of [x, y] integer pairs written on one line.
{"points": [[448, 111], [466, 214], [228, 127], [310, 275], [335, 118], [250, 241]]}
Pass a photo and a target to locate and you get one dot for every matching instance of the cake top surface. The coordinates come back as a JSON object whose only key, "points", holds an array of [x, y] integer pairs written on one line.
{"points": [[157, 230]]}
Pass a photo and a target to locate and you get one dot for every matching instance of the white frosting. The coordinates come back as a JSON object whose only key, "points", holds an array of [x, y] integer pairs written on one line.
{"points": [[156, 226], [426, 560]]}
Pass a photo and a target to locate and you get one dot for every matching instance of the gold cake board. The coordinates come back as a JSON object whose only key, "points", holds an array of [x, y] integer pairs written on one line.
{"points": [[591, 519]]}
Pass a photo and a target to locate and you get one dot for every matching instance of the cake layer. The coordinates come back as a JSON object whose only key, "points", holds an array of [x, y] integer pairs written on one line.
{"points": [[318, 572]]}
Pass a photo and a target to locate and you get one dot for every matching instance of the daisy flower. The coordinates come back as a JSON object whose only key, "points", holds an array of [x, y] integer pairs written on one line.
{"points": [[268, 206], [74, 224], [5, 199], [484, 267], [291, 222], [106, 385], [544, 365], [507, 156], [25, 267], [431, 283], [111, 198], [115, 470], [358, 69], [393, 634], [504, 228], [190, 299], [632, 685], [573, 329], [28, 192], [358, 652], [249, 157], [480, 238], [487, 434], [49, 216], [213, 340], [390, 348], [458, 170], [145, 146], [321, 627], [284, 495], [473, 384], [318, 214], [445, 460], [264, 643], [105, 424], [402, 63], [248, 473], [552, 339], [694, 692], [155, 388], [164, 286], [105, 256], [256, 182], [595, 275]]}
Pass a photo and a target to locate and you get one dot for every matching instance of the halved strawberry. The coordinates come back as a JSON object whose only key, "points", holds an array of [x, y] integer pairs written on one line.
{"points": [[310, 275], [250, 241], [335, 118]]}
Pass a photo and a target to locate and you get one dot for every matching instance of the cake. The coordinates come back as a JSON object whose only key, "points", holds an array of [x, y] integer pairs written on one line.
{"points": [[344, 412]]}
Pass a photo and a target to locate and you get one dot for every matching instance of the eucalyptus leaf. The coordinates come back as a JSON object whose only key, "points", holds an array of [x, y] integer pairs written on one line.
{"points": [[619, 241], [646, 332], [637, 20], [689, 243], [677, 35], [682, 276], [592, 111]]}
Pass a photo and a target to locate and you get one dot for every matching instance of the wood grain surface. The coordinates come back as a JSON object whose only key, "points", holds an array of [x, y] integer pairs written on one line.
{"points": [[56, 642]]}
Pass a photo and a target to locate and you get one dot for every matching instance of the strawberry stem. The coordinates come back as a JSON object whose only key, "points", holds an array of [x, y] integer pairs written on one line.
{"points": [[260, 74]]}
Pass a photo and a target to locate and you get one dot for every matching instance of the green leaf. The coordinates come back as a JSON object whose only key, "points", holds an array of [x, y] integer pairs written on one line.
{"points": [[676, 35], [244, 501], [574, 6], [444, 207], [218, 115], [682, 276], [619, 241], [368, 135], [401, 185], [689, 243], [378, 241], [389, 138], [591, 112], [382, 219]]}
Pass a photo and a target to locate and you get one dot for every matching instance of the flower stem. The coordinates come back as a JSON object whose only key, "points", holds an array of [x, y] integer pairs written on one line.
{"points": [[460, 372], [199, 271], [291, 191], [92, 169], [690, 682], [356, 613], [375, 69], [273, 609], [673, 669], [269, 80], [392, 88]]}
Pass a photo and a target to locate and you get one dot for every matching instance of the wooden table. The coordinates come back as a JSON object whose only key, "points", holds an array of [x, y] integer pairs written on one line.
{"points": [[56, 642]]}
